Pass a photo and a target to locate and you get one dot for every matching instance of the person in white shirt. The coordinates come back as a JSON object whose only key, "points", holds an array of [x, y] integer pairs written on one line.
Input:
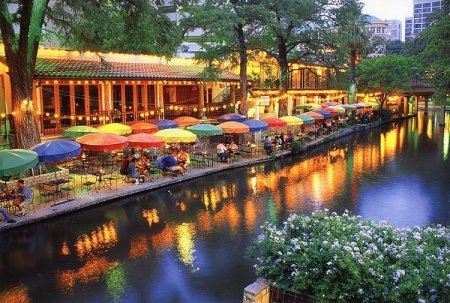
{"points": [[222, 152]]}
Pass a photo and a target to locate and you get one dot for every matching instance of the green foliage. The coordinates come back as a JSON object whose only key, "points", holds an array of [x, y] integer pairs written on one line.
{"points": [[132, 26], [394, 47], [384, 113], [388, 75], [435, 57], [341, 258], [297, 147], [414, 47]]}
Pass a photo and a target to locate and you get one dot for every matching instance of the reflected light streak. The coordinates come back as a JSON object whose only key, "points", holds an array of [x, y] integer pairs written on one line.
{"points": [[65, 251], [250, 214], [104, 237], [430, 129], [151, 215], [17, 294], [138, 247], [445, 142], [185, 243]]}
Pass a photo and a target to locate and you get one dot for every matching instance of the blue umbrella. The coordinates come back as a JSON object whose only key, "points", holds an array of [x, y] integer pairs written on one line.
{"points": [[359, 106], [256, 125], [165, 124], [324, 113], [232, 117], [57, 150]]}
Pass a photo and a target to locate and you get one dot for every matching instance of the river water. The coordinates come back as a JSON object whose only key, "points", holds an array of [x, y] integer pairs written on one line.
{"points": [[187, 243]]}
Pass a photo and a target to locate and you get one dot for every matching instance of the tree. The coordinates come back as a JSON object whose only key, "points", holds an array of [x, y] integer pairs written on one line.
{"points": [[351, 26], [435, 56], [394, 47], [386, 75], [21, 46], [226, 27]]}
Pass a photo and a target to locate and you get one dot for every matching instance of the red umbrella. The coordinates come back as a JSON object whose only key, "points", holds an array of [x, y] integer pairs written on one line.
{"points": [[144, 141], [144, 127], [102, 142], [274, 122], [315, 115], [332, 111], [232, 127]]}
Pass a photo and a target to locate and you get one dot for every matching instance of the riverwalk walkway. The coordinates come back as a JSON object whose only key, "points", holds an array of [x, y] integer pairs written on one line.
{"points": [[124, 189]]}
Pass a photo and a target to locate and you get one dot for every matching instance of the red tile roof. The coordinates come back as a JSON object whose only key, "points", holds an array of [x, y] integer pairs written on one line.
{"points": [[69, 68]]}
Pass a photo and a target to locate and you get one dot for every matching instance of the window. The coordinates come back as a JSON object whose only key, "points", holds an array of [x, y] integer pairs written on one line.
{"points": [[150, 96], [436, 4], [129, 98], [94, 99], [48, 99], [140, 97], [79, 100], [418, 6], [117, 98], [427, 4], [64, 100]]}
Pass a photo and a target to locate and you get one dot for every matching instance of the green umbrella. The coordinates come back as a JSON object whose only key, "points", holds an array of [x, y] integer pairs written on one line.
{"points": [[15, 161], [205, 130], [78, 131], [303, 106], [306, 119]]}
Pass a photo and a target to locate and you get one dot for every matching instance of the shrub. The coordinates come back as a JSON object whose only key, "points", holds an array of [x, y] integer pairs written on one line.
{"points": [[384, 114], [297, 147], [341, 258]]}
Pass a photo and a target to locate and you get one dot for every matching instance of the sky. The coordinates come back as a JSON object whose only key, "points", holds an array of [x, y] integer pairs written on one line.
{"points": [[389, 10]]}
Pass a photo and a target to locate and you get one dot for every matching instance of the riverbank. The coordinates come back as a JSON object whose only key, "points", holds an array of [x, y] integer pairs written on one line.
{"points": [[126, 189]]}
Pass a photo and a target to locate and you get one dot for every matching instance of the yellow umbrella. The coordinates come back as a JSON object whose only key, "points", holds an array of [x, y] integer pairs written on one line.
{"points": [[115, 128], [176, 135], [338, 108], [375, 105], [315, 106], [292, 120]]}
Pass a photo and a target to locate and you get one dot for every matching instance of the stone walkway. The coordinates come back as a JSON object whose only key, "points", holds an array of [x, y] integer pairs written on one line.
{"points": [[127, 189]]}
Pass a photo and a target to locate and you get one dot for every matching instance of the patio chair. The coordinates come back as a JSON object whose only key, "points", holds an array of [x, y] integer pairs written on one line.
{"points": [[87, 183], [110, 178], [30, 206], [68, 188], [46, 193]]}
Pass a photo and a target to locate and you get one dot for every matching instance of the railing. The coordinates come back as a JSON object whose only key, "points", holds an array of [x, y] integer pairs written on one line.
{"points": [[284, 296]]}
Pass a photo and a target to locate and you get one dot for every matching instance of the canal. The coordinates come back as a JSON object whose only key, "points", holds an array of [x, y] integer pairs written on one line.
{"points": [[187, 243]]}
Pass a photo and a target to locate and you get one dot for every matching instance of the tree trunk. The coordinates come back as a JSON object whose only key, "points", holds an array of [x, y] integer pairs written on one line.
{"points": [[26, 131], [353, 66], [284, 75], [243, 58]]}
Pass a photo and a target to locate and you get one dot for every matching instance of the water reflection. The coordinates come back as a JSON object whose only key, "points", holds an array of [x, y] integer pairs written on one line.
{"points": [[186, 244]]}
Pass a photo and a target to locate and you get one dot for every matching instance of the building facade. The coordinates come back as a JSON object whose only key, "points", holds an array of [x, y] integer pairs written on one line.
{"points": [[420, 19]]}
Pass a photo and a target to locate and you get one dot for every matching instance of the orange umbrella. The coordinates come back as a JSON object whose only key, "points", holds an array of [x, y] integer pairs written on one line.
{"points": [[102, 142], [186, 121], [144, 141], [232, 127], [144, 127], [274, 122], [315, 115]]}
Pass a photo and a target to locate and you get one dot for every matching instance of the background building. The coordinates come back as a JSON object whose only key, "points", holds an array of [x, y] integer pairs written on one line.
{"points": [[388, 29], [420, 19]]}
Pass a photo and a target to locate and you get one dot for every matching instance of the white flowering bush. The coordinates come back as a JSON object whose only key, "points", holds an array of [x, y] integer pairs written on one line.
{"points": [[342, 258]]}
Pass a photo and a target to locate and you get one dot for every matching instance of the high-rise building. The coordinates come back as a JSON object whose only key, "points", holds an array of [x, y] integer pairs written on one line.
{"points": [[420, 19], [394, 30]]}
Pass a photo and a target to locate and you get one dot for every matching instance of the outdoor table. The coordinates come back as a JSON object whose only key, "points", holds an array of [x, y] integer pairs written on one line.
{"points": [[7, 203], [55, 184], [204, 158], [100, 178]]}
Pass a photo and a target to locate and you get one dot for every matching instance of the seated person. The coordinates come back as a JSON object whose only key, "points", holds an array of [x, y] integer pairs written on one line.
{"points": [[6, 216], [267, 143], [234, 149], [143, 165], [24, 196], [133, 158], [124, 165], [222, 152], [171, 164], [183, 160], [7, 194]]}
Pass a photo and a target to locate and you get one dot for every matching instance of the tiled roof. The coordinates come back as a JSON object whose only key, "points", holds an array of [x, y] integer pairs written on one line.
{"points": [[69, 68]]}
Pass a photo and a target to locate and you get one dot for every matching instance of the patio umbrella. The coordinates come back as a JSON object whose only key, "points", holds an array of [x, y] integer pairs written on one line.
{"points": [[366, 105], [315, 115], [78, 131], [205, 130], [256, 125], [292, 120], [15, 161], [332, 111], [143, 127], [231, 117], [330, 103], [315, 106], [348, 106], [303, 106], [274, 122], [115, 128], [176, 135], [306, 119], [340, 109], [324, 113], [375, 105], [144, 141], [57, 150], [359, 105], [233, 127], [186, 121], [165, 124], [102, 142]]}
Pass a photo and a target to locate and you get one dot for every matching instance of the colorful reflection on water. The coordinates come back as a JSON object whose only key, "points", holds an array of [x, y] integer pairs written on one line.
{"points": [[187, 243]]}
